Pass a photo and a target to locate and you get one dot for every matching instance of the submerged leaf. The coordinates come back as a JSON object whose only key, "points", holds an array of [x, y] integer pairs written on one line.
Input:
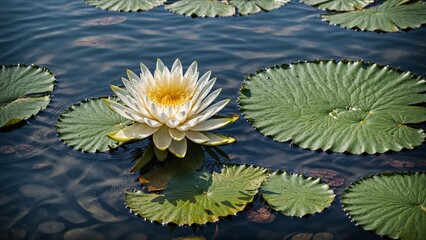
{"points": [[158, 178], [295, 195], [23, 92], [391, 16], [338, 5], [126, 5], [84, 126], [199, 198], [389, 204], [338, 106]]}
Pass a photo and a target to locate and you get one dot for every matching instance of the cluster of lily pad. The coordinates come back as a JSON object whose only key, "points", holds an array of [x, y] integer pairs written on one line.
{"points": [[390, 16], [344, 106], [179, 192]]}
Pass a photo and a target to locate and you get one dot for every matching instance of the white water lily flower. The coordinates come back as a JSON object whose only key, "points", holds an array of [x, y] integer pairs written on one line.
{"points": [[171, 106]]}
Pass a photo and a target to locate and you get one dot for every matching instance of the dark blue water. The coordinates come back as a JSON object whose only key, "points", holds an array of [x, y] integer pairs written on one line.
{"points": [[50, 191]]}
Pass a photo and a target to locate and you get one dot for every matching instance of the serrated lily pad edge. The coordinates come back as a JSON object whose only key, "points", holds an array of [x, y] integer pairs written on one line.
{"points": [[47, 94], [72, 108], [343, 60], [131, 10], [320, 181], [357, 29], [263, 169], [388, 174], [267, 171]]}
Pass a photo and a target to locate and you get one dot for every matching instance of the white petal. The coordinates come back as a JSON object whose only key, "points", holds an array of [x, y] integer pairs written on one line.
{"points": [[172, 123], [201, 105], [213, 124], [126, 98], [196, 137], [177, 65], [170, 111], [176, 134], [157, 112], [217, 139], [124, 111], [131, 75], [162, 138], [189, 124], [178, 148], [204, 79], [160, 66], [135, 131], [153, 123], [182, 113], [191, 70], [144, 69], [212, 110]]}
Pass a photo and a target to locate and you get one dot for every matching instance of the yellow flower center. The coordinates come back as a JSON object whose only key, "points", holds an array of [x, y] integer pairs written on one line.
{"points": [[169, 94]]}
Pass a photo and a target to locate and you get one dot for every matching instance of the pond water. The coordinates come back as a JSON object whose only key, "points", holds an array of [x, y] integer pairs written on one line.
{"points": [[50, 191]]}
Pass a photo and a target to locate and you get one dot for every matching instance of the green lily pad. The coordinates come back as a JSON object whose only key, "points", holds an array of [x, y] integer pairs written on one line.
{"points": [[199, 198], [126, 5], [392, 204], [216, 8], [391, 16], [23, 92], [296, 195], [338, 106], [158, 178], [202, 8], [254, 6], [84, 126], [338, 5]]}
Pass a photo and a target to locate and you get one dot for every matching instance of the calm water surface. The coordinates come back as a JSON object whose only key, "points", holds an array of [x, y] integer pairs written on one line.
{"points": [[50, 191]]}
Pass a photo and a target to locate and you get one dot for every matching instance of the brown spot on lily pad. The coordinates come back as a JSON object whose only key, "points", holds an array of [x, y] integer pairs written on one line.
{"points": [[7, 149], [107, 21], [260, 214], [88, 41], [402, 164], [331, 177]]}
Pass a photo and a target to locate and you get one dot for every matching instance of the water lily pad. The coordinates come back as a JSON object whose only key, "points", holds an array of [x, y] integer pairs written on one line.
{"points": [[338, 106], [392, 204], [216, 8], [254, 6], [202, 8], [338, 5], [23, 92], [295, 195], [391, 16], [84, 126], [199, 198], [158, 178], [126, 5]]}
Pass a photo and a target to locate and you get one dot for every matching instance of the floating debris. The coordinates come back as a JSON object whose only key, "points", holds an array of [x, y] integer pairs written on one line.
{"points": [[323, 236], [7, 149], [402, 164], [331, 177], [260, 214], [107, 21], [50, 227], [88, 41]]}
